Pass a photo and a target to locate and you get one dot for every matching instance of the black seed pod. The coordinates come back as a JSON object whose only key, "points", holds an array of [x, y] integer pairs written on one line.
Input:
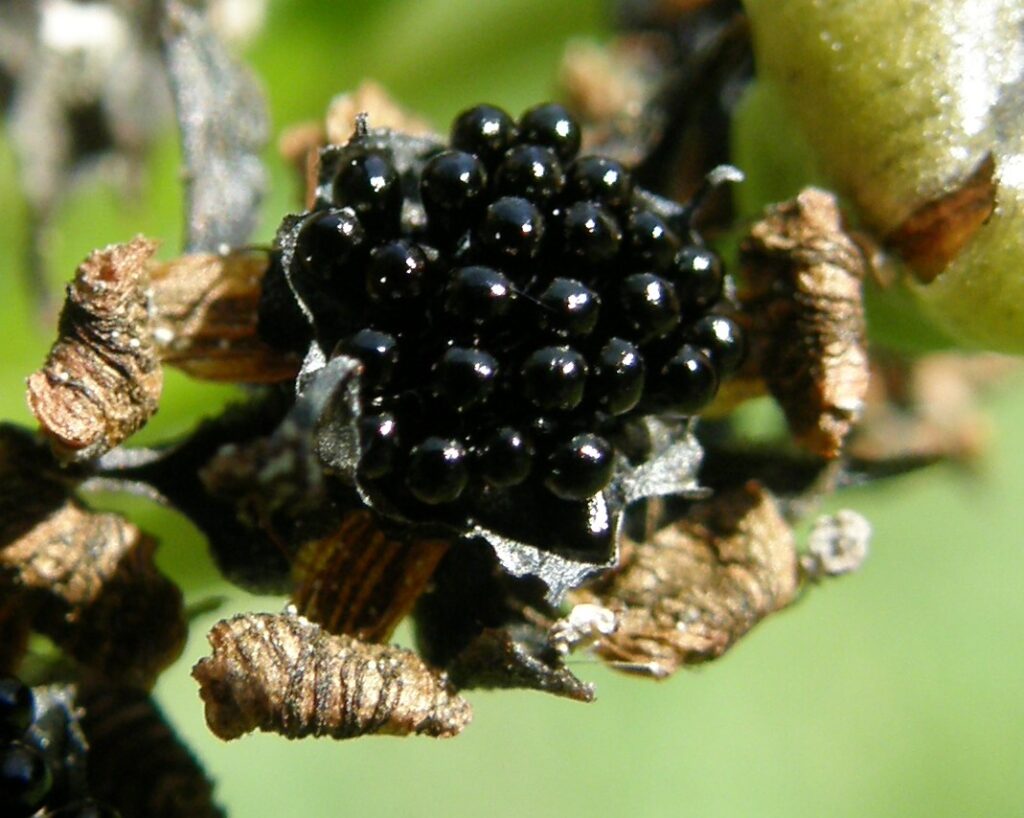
{"points": [[697, 275], [505, 458], [16, 707], [396, 275], [452, 188], [378, 352], [369, 184], [649, 243], [512, 230], [600, 179], [437, 471], [618, 382], [479, 295], [465, 376], [580, 468], [485, 130], [554, 378], [25, 780], [379, 441], [722, 339], [329, 245], [591, 236], [530, 171], [649, 306], [553, 126], [687, 382], [569, 308]]}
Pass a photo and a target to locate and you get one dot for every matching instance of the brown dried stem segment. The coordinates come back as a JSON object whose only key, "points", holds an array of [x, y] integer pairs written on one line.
{"points": [[205, 316], [802, 305], [696, 587], [362, 581], [102, 379], [93, 588], [284, 674]]}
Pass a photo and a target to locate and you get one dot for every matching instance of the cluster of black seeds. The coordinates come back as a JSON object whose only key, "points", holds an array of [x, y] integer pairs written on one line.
{"points": [[536, 304], [29, 778]]}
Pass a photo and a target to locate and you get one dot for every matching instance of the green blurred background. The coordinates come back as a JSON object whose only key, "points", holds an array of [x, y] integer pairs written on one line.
{"points": [[896, 692]]}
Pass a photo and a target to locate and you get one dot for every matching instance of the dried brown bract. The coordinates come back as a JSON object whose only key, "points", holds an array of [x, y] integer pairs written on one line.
{"points": [[205, 314], [697, 586], [801, 298], [102, 379], [284, 674]]}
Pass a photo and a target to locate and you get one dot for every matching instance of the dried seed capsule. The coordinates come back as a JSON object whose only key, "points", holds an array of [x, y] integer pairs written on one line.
{"points": [[284, 674]]}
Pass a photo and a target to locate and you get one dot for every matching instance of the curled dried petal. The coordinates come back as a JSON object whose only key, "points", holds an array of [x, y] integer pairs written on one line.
{"points": [[284, 674], [697, 586], [102, 379], [802, 302]]}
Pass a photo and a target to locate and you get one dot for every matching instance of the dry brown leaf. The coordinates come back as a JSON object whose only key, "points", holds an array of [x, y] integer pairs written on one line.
{"points": [[803, 309], [205, 315], [697, 586], [102, 379], [284, 674]]}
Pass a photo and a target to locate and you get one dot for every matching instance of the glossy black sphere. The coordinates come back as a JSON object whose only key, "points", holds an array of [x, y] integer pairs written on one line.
{"points": [[379, 442], [437, 471], [569, 308], [619, 373], [369, 184], [452, 187], [378, 352], [512, 230], [697, 275], [397, 274], [329, 244], [478, 295], [485, 130], [580, 468], [554, 378], [553, 126], [687, 382], [505, 458], [649, 306], [25, 780], [649, 243], [530, 171], [722, 339], [590, 235], [16, 708], [465, 376], [600, 179], [86, 809]]}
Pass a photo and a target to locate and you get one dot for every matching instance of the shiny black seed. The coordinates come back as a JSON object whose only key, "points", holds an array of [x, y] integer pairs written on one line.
{"points": [[687, 382], [512, 229], [16, 708], [437, 471], [590, 233], [618, 376], [370, 185], [697, 275], [452, 187], [378, 440], [569, 308], [649, 243], [396, 274], [329, 245], [550, 125], [580, 468], [505, 458], [25, 780], [554, 377], [601, 179], [722, 339], [465, 376], [478, 295], [378, 352], [86, 809], [485, 130], [649, 305], [530, 171]]}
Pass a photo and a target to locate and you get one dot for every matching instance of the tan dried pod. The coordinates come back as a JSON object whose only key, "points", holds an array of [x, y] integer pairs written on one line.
{"points": [[697, 586], [284, 674], [102, 378]]}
